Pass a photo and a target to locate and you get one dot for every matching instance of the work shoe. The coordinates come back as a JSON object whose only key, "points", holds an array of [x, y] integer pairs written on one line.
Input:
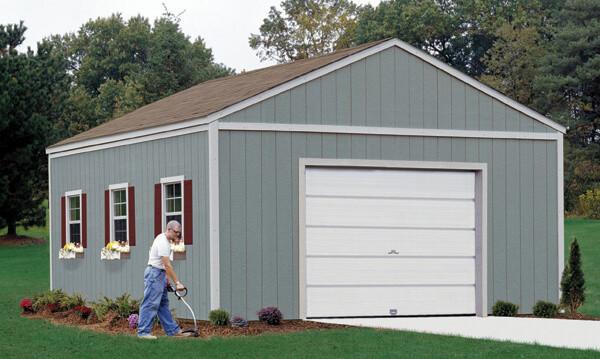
{"points": [[147, 336], [181, 334]]}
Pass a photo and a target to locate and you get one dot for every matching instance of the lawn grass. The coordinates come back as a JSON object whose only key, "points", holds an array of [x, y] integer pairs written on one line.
{"points": [[25, 272], [588, 236]]}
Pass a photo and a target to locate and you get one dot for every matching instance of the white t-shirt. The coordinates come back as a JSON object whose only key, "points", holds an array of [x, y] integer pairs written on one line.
{"points": [[160, 248]]}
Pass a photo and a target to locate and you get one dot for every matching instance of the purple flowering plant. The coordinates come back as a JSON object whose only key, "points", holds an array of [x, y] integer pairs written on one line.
{"points": [[270, 315], [133, 320]]}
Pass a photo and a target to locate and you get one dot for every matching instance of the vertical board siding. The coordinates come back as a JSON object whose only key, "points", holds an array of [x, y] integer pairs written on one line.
{"points": [[512, 273], [136, 164]]}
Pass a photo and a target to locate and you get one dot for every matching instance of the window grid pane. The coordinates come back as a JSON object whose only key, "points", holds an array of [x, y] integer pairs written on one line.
{"points": [[75, 233], [120, 228]]}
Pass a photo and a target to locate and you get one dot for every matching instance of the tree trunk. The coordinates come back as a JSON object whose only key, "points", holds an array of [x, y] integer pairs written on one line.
{"points": [[12, 229]]}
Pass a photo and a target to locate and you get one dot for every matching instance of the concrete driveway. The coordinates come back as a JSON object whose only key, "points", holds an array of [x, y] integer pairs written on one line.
{"points": [[576, 334]]}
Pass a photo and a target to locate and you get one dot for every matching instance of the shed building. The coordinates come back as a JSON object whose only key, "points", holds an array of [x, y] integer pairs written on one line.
{"points": [[374, 181]]}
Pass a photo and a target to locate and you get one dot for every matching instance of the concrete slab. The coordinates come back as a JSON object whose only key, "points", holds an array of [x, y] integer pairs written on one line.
{"points": [[575, 334]]}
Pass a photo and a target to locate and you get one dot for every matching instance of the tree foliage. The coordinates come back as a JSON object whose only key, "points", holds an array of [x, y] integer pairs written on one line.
{"points": [[570, 73], [32, 89], [118, 66], [572, 282], [305, 28]]}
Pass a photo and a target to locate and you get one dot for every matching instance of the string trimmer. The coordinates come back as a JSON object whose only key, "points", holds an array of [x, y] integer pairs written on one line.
{"points": [[170, 288]]}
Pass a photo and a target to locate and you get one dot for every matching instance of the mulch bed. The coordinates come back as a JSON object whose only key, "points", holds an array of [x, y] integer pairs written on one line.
{"points": [[569, 316], [8, 240], [113, 324]]}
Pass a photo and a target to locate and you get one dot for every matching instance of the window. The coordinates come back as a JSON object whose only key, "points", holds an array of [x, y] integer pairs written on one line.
{"points": [[173, 201], [119, 212], [74, 218]]}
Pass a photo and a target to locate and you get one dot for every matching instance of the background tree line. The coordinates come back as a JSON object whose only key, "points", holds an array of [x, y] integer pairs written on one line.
{"points": [[77, 81], [542, 53]]}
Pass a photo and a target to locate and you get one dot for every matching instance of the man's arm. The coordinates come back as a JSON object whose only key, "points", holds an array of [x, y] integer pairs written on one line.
{"points": [[171, 272]]}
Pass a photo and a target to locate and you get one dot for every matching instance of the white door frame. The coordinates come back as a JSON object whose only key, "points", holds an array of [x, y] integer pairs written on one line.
{"points": [[480, 170]]}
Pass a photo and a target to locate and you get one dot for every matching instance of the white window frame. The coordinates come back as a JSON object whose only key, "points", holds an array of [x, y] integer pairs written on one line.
{"points": [[68, 196], [164, 182], [112, 188]]}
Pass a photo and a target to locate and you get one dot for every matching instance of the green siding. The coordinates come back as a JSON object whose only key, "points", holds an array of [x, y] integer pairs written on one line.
{"points": [[518, 269], [390, 89], [141, 165]]}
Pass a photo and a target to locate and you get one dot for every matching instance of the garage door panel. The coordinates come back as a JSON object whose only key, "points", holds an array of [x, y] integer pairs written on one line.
{"points": [[378, 241], [377, 301], [390, 183], [393, 213], [389, 271]]}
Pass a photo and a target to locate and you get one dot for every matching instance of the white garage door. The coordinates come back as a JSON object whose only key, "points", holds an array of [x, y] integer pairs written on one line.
{"points": [[385, 242]]}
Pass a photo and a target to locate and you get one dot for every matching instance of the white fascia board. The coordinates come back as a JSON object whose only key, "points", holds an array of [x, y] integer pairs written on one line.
{"points": [[478, 85], [118, 186], [389, 131], [103, 143], [187, 126], [172, 179], [73, 193], [50, 217]]}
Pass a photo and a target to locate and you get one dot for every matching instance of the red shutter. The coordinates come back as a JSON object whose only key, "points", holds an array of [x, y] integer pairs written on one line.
{"points": [[131, 215], [84, 220], [188, 222], [63, 221], [157, 209], [106, 217]]}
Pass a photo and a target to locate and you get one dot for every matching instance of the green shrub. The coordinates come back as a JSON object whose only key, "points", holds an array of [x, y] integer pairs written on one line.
{"points": [[589, 203], [219, 317], [123, 305], [54, 296], [572, 283], [504, 309], [545, 309], [74, 300]]}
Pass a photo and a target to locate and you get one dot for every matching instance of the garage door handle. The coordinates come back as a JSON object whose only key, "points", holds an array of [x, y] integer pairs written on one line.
{"points": [[393, 251]]}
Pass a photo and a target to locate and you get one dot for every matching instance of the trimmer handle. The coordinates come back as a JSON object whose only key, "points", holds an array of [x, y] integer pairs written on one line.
{"points": [[171, 288]]}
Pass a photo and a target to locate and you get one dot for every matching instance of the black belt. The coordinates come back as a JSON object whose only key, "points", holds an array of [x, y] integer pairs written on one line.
{"points": [[162, 270]]}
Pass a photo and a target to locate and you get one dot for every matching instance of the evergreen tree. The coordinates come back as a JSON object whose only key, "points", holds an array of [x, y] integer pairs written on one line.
{"points": [[572, 282], [32, 90]]}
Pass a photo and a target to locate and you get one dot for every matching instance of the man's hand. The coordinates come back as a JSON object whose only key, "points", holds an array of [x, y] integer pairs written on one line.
{"points": [[180, 287]]}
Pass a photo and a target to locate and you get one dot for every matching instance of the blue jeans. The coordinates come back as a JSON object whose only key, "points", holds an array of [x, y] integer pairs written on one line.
{"points": [[155, 302]]}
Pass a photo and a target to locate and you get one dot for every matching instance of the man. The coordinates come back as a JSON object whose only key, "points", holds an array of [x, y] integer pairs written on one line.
{"points": [[155, 286]]}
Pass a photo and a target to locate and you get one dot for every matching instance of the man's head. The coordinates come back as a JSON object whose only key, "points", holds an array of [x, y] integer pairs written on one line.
{"points": [[173, 230]]}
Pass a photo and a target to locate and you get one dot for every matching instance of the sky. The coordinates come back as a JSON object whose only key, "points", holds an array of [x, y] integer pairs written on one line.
{"points": [[225, 25]]}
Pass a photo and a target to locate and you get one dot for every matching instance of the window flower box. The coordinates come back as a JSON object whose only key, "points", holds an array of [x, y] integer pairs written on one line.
{"points": [[115, 250], [71, 251], [177, 250]]}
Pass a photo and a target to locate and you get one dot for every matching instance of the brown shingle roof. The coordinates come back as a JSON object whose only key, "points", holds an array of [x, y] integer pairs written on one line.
{"points": [[212, 96]]}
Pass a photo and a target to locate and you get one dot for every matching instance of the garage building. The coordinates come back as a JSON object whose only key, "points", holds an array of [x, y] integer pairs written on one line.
{"points": [[374, 181]]}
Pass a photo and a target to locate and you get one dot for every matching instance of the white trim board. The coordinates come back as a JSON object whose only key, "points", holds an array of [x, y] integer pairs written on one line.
{"points": [[561, 210], [50, 202], [387, 131], [121, 140], [187, 126], [213, 186]]}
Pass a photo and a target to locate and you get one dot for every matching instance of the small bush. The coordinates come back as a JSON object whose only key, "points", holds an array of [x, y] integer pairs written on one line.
{"points": [[504, 309], [239, 322], [545, 309], [219, 317], [41, 300], [26, 305], [123, 305], [133, 321], [74, 300], [270, 315], [572, 283], [589, 203], [54, 307], [83, 311]]}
